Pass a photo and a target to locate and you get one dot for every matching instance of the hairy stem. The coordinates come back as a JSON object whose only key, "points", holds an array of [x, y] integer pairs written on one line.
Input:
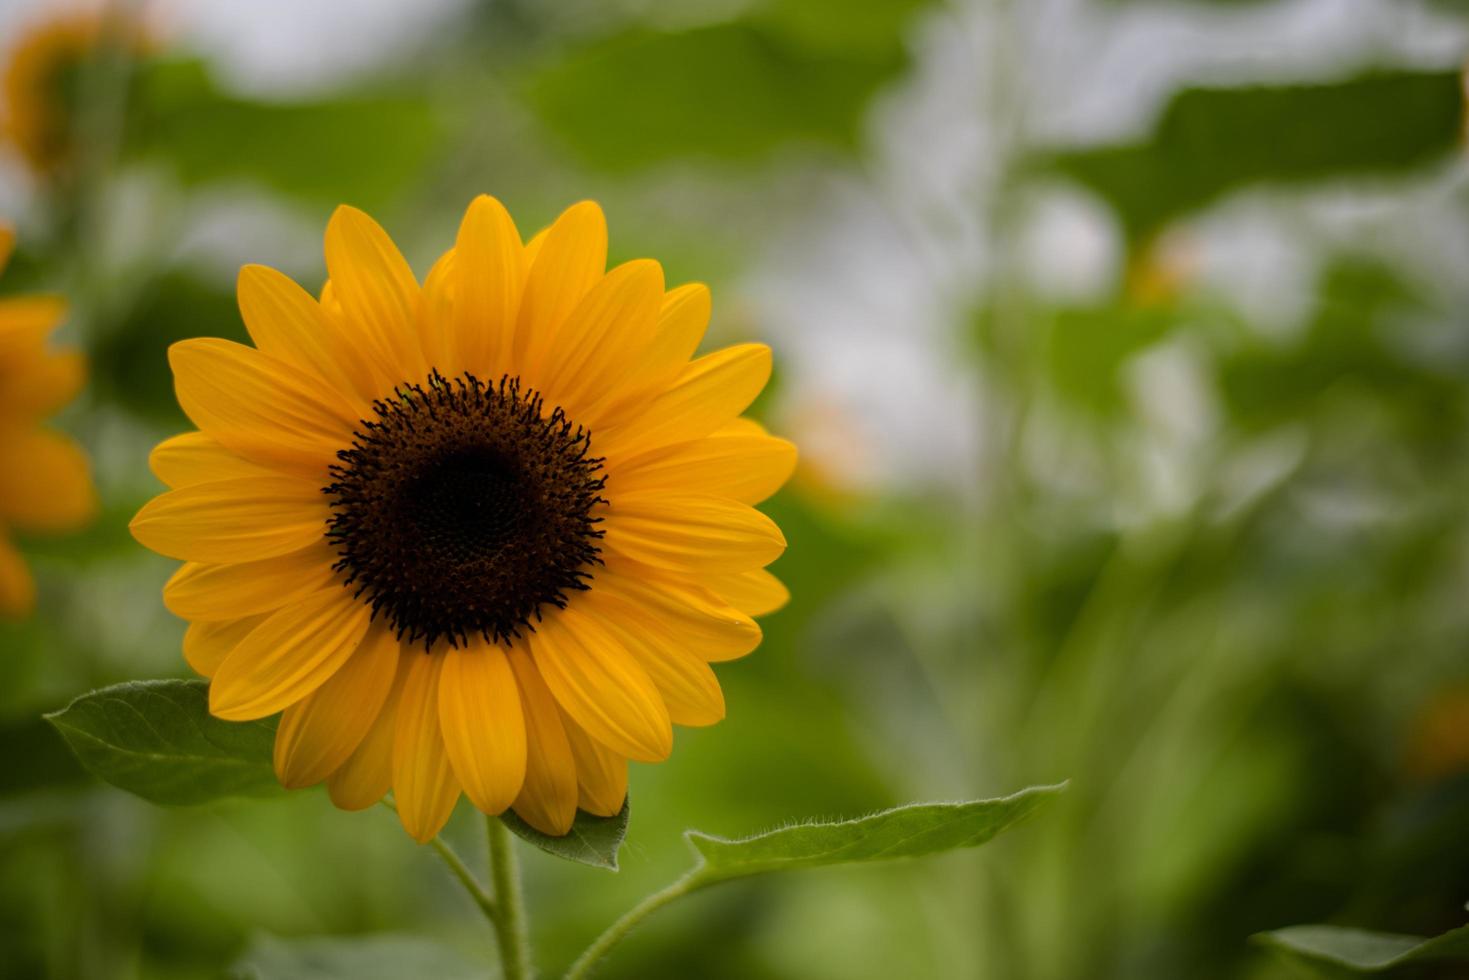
{"points": [[614, 933], [509, 922]]}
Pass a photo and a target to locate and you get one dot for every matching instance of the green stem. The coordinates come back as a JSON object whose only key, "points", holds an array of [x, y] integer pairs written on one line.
{"points": [[510, 923], [604, 943], [476, 890]]}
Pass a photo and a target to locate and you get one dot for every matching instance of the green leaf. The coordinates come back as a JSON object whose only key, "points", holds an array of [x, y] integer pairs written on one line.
{"points": [[730, 91], [1211, 141], [158, 740], [1334, 950], [906, 831], [34, 757], [591, 840], [382, 957], [360, 148]]}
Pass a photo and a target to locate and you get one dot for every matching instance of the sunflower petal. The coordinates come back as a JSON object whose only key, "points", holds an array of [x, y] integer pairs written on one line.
{"points": [[47, 484], [207, 644], [705, 395], [367, 775], [688, 687], [215, 592], [259, 407], [690, 533], [318, 734], [50, 380], [289, 655], [233, 520], [682, 319], [603, 339], [601, 774], [17, 588], [596, 681], [423, 781], [377, 291], [287, 323], [707, 626], [568, 260], [547, 800], [483, 724], [489, 277], [757, 592], [744, 467], [193, 457]]}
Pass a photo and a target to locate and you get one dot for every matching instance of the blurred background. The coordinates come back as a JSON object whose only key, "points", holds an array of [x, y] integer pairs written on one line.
{"points": [[1127, 346]]}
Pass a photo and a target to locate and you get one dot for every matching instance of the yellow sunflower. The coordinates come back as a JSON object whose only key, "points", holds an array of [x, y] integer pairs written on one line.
{"points": [[45, 481], [38, 120], [485, 534]]}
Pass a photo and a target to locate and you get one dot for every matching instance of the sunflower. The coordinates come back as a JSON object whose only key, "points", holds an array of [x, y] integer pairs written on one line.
{"points": [[485, 534], [45, 481]]}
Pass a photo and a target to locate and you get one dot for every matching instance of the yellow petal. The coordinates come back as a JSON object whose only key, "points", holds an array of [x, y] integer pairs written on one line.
{"points": [[213, 592], [707, 626], [378, 295], [423, 781], [547, 801], [683, 532], [50, 379], [233, 520], [603, 339], [193, 457], [288, 656], [744, 467], [757, 592], [317, 735], [682, 319], [261, 408], [601, 774], [489, 277], [47, 483], [26, 320], [436, 315], [368, 773], [596, 681], [289, 325], [484, 727], [568, 261], [207, 644], [688, 687], [17, 588], [705, 395]]}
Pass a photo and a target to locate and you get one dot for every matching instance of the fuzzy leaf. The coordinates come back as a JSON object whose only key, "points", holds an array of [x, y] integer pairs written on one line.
{"points": [[158, 740], [591, 840], [1334, 951], [905, 831]]}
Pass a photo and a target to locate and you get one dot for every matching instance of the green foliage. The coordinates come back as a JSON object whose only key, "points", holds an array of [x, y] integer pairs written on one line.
{"points": [[906, 831], [1334, 950], [158, 740], [731, 92], [372, 957], [592, 840], [361, 148], [1211, 141]]}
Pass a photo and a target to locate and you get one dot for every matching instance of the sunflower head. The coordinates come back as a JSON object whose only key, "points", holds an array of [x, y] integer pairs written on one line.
{"points": [[39, 88], [45, 480], [480, 535]]}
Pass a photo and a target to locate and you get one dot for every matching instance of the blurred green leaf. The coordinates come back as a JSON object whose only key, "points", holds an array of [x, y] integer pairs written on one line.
{"points": [[1086, 349], [359, 148], [905, 831], [592, 840], [34, 757], [1332, 950], [731, 91], [157, 739], [1214, 140], [352, 958]]}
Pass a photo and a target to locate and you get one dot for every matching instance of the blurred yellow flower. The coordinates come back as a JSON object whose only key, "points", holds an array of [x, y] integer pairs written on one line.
{"points": [[486, 534], [45, 481], [37, 90]]}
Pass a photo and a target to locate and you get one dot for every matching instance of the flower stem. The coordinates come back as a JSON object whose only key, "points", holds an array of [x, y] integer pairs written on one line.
{"points": [[604, 943], [460, 871], [509, 920]]}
